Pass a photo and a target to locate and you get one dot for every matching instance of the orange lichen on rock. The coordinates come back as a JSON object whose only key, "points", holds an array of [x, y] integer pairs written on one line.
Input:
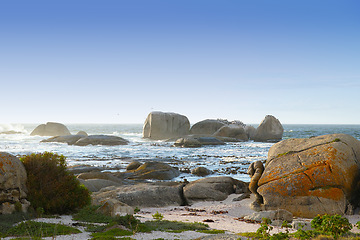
{"points": [[331, 193]]}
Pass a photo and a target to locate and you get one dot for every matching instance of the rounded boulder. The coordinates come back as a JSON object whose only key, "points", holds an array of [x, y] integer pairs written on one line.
{"points": [[312, 176]]}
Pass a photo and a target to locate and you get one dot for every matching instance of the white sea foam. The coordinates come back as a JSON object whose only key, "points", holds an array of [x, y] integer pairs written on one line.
{"points": [[231, 159]]}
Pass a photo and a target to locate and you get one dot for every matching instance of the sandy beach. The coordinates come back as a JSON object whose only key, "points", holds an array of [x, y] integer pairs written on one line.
{"points": [[221, 215]]}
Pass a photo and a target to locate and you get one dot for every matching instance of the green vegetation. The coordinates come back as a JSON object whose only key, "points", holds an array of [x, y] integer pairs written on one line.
{"points": [[333, 225], [86, 214], [158, 216], [325, 227], [51, 187], [8, 220], [39, 229]]}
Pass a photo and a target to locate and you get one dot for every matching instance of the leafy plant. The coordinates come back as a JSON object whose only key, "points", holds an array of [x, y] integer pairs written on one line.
{"points": [[157, 216], [263, 231], [302, 234], [50, 186], [334, 225]]}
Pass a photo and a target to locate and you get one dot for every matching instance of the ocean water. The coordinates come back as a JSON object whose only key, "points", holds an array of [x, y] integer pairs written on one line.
{"points": [[231, 159]]}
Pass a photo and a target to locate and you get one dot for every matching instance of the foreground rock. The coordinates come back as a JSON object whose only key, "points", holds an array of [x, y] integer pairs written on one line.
{"points": [[213, 189], [161, 125], [51, 129], [312, 176], [269, 130], [279, 215], [144, 195], [12, 184]]}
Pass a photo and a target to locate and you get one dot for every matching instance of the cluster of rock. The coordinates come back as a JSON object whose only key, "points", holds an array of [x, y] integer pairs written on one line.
{"points": [[62, 135], [162, 125], [131, 188], [13, 189], [311, 176]]}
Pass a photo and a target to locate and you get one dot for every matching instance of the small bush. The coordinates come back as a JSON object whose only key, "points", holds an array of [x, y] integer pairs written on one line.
{"points": [[157, 216], [51, 187], [334, 225]]}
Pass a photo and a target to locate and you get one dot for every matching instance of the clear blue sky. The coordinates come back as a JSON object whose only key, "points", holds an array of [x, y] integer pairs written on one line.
{"points": [[76, 61]]}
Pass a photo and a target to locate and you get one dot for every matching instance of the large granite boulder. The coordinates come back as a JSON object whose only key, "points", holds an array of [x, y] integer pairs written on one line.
{"points": [[269, 130], [232, 131], [312, 176], [213, 189], [208, 126], [12, 184], [101, 140], [51, 129], [153, 170], [161, 125], [144, 195]]}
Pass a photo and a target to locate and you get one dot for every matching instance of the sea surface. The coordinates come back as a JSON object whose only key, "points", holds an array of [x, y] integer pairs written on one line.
{"points": [[231, 159]]}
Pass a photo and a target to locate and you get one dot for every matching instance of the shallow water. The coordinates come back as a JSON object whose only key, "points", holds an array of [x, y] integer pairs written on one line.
{"points": [[231, 159]]}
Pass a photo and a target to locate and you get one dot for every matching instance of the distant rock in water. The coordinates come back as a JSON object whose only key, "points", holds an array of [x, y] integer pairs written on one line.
{"points": [[193, 141], [69, 139], [208, 126], [163, 125], [81, 140], [101, 140], [269, 130], [51, 129], [10, 132], [232, 131], [83, 133]]}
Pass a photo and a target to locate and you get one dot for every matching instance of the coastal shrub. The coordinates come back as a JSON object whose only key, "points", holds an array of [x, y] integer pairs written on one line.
{"points": [[51, 187], [334, 225], [40, 229]]}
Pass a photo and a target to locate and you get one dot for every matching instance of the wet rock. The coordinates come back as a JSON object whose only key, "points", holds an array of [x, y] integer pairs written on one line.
{"points": [[69, 139], [201, 171], [101, 140], [133, 165], [197, 141]]}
